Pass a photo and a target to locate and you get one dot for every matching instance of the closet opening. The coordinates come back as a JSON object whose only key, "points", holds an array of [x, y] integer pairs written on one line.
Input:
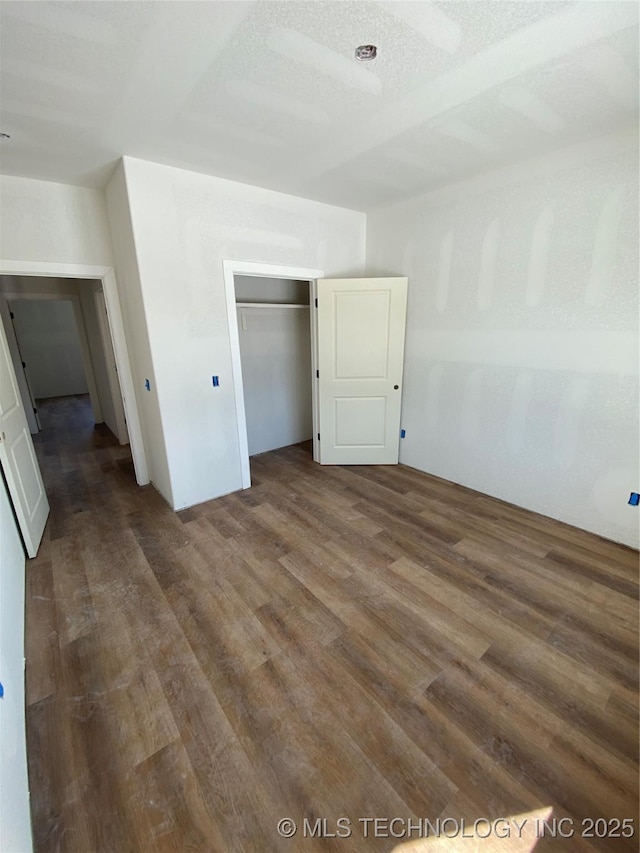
{"points": [[273, 333]]}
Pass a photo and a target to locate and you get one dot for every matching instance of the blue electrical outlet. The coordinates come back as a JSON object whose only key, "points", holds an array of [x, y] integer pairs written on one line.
{"points": [[403, 433], [147, 385], [216, 381], [634, 499]]}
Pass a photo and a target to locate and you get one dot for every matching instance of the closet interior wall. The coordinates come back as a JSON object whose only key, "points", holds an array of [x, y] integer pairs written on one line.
{"points": [[275, 350]]}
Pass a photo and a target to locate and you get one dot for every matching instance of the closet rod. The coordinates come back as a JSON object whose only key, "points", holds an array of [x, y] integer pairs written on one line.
{"points": [[270, 305]]}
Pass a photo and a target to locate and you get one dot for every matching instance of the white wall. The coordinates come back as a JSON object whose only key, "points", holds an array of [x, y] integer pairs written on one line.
{"points": [[185, 224], [50, 347], [45, 221], [275, 350], [521, 366], [136, 331], [15, 819], [43, 224]]}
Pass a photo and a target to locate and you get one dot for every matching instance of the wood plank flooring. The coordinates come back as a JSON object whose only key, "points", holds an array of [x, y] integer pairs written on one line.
{"points": [[333, 643]]}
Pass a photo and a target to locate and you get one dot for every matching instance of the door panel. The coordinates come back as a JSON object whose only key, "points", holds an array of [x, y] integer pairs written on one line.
{"points": [[18, 458], [360, 420], [361, 326], [21, 374], [362, 320]]}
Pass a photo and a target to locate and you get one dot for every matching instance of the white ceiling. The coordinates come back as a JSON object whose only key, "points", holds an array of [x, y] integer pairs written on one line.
{"points": [[269, 92]]}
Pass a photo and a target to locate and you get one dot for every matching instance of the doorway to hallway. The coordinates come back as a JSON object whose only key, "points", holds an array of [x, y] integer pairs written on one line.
{"points": [[77, 457], [20, 467], [58, 335]]}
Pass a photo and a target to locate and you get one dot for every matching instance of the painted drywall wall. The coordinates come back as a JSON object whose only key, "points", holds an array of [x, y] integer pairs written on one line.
{"points": [[15, 819], [49, 343], [521, 364], [135, 325], [184, 225], [251, 288], [275, 350], [45, 221]]}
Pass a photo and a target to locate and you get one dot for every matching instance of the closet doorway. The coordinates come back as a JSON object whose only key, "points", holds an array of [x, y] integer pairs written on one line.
{"points": [[274, 329], [273, 335]]}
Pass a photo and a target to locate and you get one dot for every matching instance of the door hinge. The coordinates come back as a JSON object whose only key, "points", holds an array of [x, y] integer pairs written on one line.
{"points": [[24, 364], [317, 374], [13, 316], [35, 411], [318, 436], [316, 301]]}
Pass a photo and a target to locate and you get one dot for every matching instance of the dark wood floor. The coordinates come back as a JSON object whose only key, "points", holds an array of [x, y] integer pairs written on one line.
{"points": [[333, 643]]}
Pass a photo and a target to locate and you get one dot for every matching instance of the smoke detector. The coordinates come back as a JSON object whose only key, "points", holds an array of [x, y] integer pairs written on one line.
{"points": [[366, 52]]}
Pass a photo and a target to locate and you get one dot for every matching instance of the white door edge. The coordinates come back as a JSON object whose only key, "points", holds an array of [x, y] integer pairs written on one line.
{"points": [[112, 372], [315, 396]]}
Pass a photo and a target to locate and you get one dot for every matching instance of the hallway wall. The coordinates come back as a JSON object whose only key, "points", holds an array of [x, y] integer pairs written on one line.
{"points": [[50, 347]]}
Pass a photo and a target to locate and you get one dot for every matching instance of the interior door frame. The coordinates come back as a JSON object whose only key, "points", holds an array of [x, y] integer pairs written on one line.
{"points": [[231, 269], [107, 276], [112, 372], [83, 340]]}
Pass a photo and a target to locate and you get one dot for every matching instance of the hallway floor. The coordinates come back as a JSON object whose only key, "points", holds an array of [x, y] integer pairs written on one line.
{"points": [[335, 643]]}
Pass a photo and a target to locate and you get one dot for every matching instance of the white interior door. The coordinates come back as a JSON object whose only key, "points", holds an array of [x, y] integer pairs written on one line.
{"points": [[15, 820], [361, 325], [18, 457], [18, 366]]}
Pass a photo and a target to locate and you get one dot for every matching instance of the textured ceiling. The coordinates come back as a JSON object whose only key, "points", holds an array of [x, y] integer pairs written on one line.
{"points": [[269, 93]]}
